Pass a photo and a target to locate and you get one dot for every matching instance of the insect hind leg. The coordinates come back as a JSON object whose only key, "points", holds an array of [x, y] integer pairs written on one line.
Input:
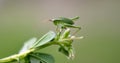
{"points": [[72, 26], [78, 29]]}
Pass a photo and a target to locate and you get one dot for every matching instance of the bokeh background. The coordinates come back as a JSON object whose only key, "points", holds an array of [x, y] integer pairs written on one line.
{"points": [[21, 20]]}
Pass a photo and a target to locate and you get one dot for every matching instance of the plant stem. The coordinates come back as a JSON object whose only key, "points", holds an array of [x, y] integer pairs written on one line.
{"points": [[24, 54], [16, 56]]}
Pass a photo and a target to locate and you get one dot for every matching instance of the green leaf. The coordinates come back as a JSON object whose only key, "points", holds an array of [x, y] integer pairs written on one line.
{"points": [[34, 60], [27, 45], [26, 59], [64, 51], [41, 57], [66, 34], [44, 39], [68, 51]]}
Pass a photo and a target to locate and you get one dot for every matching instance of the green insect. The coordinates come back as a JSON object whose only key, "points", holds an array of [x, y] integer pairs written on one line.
{"points": [[64, 23]]}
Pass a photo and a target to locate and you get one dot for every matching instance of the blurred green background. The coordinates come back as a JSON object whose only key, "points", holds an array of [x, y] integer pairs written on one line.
{"points": [[21, 20]]}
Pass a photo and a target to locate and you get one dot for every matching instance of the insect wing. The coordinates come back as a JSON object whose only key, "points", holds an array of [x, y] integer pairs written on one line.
{"points": [[67, 21], [63, 20]]}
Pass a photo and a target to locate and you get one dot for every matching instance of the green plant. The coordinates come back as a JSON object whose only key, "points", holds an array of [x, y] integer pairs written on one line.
{"points": [[62, 38]]}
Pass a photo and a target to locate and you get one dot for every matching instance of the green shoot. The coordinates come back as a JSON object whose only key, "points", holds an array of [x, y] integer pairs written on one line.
{"points": [[62, 38]]}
